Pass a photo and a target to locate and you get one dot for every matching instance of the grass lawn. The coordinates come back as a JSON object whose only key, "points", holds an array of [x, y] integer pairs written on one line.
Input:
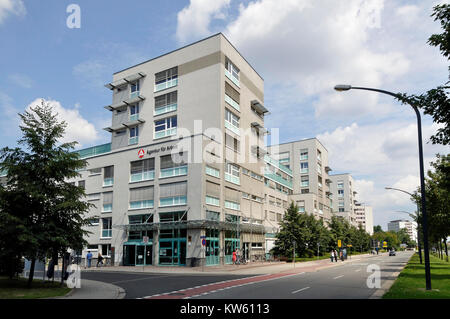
{"points": [[410, 283], [17, 289]]}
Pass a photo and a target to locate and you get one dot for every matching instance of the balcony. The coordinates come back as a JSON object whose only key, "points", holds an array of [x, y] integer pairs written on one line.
{"points": [[278, 179], [165, 133], [165, 109], [133, 140], [124, 81], [232, 128], [173, 171], [93, 151], [233, 103], [258, 108], [166, 84], [232, 179], [131, 101], [232, 78]]}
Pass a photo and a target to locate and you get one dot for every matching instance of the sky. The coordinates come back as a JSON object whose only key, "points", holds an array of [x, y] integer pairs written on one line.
{"points": [[301, 48]]}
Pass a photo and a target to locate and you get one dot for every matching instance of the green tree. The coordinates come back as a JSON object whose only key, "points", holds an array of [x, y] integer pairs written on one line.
{"points": [[48, 209], [436, 102], [377, 229]]}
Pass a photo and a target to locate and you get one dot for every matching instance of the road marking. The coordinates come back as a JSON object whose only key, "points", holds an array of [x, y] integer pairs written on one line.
{"points": [[294, 292], [357, 270], [338, 277]]}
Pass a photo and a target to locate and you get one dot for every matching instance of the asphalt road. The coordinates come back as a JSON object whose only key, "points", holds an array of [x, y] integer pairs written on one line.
{"points": [[146, 284], [348, 280]]}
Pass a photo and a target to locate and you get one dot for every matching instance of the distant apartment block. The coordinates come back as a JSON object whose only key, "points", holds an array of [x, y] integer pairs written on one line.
{"points": [[410, 226], [364, 217], [343, 190]]}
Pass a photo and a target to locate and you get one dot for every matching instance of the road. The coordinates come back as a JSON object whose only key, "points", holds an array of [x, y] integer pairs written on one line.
{"points": [[347, 280]]}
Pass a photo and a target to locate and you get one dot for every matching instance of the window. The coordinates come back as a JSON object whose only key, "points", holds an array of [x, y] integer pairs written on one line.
{"points": [[107, 227], [140, 219], [210, 200], [94, 196], [319, 181], [121, 132], [212, 171], [319, 155], [305, 191], [232, 97], [82, 184], [232, 174], [232, 205], [166, 103], [304, 167], [340, 184], [319, 168], [106, 249], [107, 202], [231, 121], [134, 89], [210, 215], [93, 222], [108, 177], [165, 127], [95, 171], [166, 79], [134, 135], [340, 193], [174, 165], [301, 206], [303, 154], [232, 143], [143, 170], [232, 72], [141, 197], [134, 112], [173, 194], [305, 181]]}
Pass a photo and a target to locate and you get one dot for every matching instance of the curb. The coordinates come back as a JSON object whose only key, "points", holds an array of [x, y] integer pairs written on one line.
{"points": [[386, 286]]}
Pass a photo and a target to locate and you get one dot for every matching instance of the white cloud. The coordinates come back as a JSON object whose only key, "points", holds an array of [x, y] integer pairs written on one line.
{"points": [[78, 128], [21, 80], [8, 7], [194, 20]]}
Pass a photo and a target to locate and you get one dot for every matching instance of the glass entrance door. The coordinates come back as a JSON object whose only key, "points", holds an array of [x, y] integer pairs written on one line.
{"points": [[172, 251], [148, 254], [140, 254]]}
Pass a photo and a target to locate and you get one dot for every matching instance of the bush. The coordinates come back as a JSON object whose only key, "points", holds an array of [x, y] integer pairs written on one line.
{"points": [[11, 265]]}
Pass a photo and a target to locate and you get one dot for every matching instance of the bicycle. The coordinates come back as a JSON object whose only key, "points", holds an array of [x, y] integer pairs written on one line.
{"points": [[241, 261]]}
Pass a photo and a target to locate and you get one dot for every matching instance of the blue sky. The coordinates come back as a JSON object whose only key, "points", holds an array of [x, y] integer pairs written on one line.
{"points": [[302, 49]]}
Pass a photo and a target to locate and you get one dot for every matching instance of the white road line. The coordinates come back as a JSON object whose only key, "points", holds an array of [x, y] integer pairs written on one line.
{"points": [[294, 292], [338, 277], [357, 270]]}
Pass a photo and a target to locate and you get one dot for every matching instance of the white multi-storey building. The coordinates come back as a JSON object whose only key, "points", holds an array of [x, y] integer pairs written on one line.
{"points": [[410, 226]]}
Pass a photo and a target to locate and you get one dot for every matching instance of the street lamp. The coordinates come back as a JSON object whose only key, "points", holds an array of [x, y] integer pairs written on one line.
{"points": [[418, 232], [346, 87]]}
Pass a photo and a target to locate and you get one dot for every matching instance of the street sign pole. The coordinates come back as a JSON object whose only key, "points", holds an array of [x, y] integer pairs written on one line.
{"points": [[294, 253]]}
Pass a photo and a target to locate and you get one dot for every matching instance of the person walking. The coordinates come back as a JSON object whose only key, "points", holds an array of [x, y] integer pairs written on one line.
{"points": [[335, 255], [341, 254], [89, 259], [332, 255], [99, 259], [234, 256]]}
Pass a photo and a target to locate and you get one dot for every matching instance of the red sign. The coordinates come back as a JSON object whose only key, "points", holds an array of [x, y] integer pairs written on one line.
{"points": [[141, 153], [204, 242]]}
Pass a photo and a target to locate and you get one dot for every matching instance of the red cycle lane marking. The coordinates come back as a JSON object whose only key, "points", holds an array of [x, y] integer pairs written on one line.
{"points": [[189, 292]]}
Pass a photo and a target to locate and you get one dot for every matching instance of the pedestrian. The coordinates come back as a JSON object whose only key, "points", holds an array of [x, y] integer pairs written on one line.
{"points": [[234, 256], [341, 254], [332, 255], [335, 255], [99, 259], [89, 259]]}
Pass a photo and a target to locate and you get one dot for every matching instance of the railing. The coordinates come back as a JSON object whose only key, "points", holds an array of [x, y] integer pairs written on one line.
{"points": [[278, 179], [143, 176], [141, 204], [134, 117], [232, 128], [173, 171], [165, 85], [212, 260], [232, 78], [108, 181], [278, 165], [232, 179], [232, 102], [107, 208], [134, 94], [172, 201], [165, 133], [95, 150], [165, 109], [133, 140], [106, 233]]}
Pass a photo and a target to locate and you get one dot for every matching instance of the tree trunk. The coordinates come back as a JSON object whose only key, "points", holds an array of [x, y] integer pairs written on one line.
{"points": [[63, 270], [446, 249], [30, 277]]}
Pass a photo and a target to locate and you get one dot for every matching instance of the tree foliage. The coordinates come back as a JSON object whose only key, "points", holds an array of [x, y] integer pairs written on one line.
{"points": [[38, 206]]}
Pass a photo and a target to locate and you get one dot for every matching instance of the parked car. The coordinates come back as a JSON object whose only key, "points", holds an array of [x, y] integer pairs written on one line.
{"points": [[392, 253]]}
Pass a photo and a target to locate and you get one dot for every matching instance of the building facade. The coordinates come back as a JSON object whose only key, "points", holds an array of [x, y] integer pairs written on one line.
{"points": [[364, 217], [308, 161], [182, 181], [410, 226], [343, 190]]}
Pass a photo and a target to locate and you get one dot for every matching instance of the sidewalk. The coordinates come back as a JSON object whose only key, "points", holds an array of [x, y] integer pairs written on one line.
{"points": [[91, 289], [255, 268]]}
